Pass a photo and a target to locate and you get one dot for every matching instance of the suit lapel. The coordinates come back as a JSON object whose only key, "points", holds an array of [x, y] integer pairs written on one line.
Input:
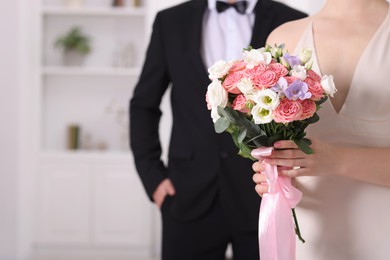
{"points": [[195, 36], [263, 21]]}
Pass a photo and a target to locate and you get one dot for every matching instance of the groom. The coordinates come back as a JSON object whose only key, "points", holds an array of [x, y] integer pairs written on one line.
{"points": [[205, 192]]}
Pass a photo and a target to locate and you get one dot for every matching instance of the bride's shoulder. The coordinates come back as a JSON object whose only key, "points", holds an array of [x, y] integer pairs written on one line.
{"points": [[288, 33]]}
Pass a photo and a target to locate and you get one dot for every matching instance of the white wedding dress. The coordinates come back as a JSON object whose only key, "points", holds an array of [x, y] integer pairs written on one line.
{"points": [[340, 218]]}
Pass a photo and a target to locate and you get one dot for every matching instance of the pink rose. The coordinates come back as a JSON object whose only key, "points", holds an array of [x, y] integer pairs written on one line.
{"points": [[265, 80], [238, 66], [279, 69], [288, 111], [311, 74], [255, 72], [230, 82], [308, 108], [239, 103], [315, 88]]}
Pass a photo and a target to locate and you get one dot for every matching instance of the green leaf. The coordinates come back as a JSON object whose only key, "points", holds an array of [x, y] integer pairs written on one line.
{"points": [[304, 145], [241, 135], [322, 100], [229, 113], [245, 152], [221, 125], [74, 39], [313, 119]]}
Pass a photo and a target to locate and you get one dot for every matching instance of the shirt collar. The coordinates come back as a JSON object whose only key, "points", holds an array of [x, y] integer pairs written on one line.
{"points": [[251, 5]]}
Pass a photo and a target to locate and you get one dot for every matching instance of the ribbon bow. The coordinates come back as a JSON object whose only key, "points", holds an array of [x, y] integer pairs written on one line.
{"points": [[277, 239]]}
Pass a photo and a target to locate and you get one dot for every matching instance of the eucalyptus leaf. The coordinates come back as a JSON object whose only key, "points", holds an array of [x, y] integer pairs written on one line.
{"points": [[221, 125], [229, 113], [245, 152], [260, 140], [241, 135]]}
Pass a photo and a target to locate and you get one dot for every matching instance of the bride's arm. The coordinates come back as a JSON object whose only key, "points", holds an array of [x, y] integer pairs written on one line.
{"points": [[371, 165]]}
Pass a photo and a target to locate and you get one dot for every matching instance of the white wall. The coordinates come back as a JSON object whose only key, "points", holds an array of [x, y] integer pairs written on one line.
{"points": [[14, 213]]}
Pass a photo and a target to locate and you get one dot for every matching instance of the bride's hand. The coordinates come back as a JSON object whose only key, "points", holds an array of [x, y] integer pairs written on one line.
{"points": [[292, 162], [259, 178], [296, 163]]}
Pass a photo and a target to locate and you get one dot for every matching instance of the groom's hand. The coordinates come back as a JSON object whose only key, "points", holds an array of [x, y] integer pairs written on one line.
{"points": [[163, 189]]}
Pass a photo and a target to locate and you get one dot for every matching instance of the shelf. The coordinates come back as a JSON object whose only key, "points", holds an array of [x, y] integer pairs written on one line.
{"points": [[87, 155], [90, 71], [94, 11]]}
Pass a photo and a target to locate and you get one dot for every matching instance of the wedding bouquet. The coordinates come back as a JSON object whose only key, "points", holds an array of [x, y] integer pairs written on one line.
{"points": [[269, 95]]}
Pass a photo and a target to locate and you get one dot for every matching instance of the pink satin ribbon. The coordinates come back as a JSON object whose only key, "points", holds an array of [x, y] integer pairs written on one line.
{"points": [[277, 239]]}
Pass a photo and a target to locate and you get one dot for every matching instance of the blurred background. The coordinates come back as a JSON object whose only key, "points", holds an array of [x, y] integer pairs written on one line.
{"points": [[68, 187]]}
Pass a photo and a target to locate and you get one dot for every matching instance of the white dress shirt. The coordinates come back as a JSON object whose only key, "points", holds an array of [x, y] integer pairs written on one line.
{"points": [[225, 34]]}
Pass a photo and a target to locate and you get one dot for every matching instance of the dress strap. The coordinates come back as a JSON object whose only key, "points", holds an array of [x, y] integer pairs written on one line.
{"points": [[306, 39]]}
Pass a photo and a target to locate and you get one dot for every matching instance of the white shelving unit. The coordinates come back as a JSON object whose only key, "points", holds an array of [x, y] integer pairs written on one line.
{"points": [[91, 71], [89, 201], [94, 11]]}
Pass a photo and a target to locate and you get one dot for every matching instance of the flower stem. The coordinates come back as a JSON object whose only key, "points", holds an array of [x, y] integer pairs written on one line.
{"points": [[297, 230]]}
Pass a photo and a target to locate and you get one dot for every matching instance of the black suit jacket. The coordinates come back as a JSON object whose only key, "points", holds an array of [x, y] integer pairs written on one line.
{"points": [[201, 163]]}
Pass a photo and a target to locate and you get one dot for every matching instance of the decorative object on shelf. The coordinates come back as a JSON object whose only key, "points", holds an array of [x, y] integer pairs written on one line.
{"points": [[102, 146], [136, 3], [118, 3], [121, 118], [75, 45], [73, 3], [124, 56], [87, 142], [73, 137]]}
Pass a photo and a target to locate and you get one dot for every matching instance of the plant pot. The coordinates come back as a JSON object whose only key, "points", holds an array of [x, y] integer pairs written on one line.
{"points": [[73, 3], [73, 58]]}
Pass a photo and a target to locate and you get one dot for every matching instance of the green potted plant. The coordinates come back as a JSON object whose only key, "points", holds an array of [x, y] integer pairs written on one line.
{"points": [[75, 45]]}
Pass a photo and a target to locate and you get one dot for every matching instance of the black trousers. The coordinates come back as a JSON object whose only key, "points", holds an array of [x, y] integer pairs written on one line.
{"points": [[205, 238]]}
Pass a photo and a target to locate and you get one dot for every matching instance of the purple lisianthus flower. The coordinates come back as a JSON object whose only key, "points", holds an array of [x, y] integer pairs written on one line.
{"points": [[297, 90], [291, 60], [280, 86]]}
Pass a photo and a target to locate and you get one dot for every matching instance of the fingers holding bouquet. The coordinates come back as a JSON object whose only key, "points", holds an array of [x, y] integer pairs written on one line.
{"points": [[293, 162], [290, 159]]}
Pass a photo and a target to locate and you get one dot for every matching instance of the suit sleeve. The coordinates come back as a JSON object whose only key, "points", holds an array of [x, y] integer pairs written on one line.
{"points": [[145, 113]]}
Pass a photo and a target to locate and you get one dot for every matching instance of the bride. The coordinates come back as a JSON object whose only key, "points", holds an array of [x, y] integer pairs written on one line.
{"points": [[344, 213]]}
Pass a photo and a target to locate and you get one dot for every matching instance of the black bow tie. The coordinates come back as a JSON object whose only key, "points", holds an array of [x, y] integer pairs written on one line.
{"points": [[239, 6]]}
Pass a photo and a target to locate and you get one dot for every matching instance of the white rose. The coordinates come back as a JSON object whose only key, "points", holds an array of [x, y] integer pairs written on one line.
{"points": [[216, 94], [328, 85], [299, 72], [245, 86], [256, 56], [266, 98], [214, 114], [261, 115], [219, 69], [305, 55]]}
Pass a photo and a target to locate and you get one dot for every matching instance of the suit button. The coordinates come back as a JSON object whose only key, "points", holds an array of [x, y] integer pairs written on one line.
{"points": [[223, 154]]}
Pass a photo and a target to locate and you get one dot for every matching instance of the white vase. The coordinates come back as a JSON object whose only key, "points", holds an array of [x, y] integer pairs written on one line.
{"points": [[73, 58], [73, 3]]}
